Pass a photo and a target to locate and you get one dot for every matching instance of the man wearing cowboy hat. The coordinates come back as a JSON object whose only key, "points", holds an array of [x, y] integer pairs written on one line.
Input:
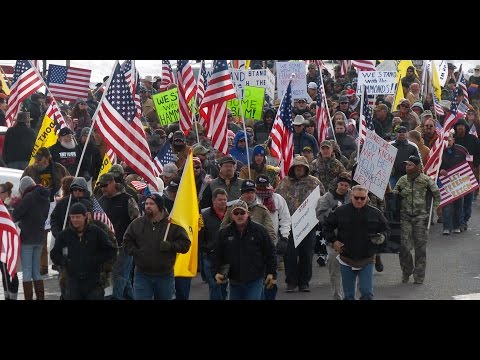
{"points": [[148, 83]]}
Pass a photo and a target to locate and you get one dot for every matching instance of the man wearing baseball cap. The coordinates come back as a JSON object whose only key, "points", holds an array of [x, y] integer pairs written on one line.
{"points": [[245, 266]]}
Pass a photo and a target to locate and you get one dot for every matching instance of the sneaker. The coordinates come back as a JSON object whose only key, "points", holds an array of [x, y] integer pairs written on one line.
{"points": [[446, 232], [291, 288], [304, 288], [456, 231], [405, 278]]}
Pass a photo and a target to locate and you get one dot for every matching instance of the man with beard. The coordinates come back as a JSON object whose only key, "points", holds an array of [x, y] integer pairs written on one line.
{"points": [[180, 148], [66, 152], [414, 188], [153, 254]]}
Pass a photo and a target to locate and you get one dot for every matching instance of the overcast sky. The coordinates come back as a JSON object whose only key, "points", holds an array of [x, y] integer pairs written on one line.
{"points": [[101, 68]]}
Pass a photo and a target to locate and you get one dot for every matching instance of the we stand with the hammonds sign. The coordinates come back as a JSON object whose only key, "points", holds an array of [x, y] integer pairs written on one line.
{"points": [[375, 164], [459, 181]]}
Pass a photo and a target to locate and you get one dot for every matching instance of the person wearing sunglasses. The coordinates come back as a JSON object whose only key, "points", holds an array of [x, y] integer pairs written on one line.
{"points": [[244, 253], [416, 190], [354, 230]]}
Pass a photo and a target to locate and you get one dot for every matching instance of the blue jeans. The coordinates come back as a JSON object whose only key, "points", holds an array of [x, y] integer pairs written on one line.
{"points": [[270, 294], [216, 291], [30, 255], [182, 287], [252, 290], [467, 208], [148, 287], [122, 285], [452, 214], [349, 279]]}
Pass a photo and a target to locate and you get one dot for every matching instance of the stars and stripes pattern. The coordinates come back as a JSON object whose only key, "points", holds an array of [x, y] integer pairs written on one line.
{"points": [[111, 156], [133, 79], [344, 66], [432, 167], [452, 117], [138, 185], [213, 108], [366, 121], [187, 88], [25, 82], [202, 86], [282, 133], [321, 112], [121, 128], [10, 250], [364, 65], [53, 112], [438, 108], [473, 131], [167, 76], [68, 83], [463, 170], [164, 156], [100, 215]]}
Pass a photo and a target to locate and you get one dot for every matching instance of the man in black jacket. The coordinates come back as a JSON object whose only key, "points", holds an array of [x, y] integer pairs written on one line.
{"points": [[82, 249], [244, 254], [360, 228]]}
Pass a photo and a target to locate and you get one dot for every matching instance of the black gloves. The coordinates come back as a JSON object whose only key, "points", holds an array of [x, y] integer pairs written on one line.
{"points": [[282, 245], [165, 246]]}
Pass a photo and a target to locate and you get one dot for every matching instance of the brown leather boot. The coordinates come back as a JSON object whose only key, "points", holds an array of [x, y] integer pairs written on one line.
{"points": [[28, 290], [39, 289]]}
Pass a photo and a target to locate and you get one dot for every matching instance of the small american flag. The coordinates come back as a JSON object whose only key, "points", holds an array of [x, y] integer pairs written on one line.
{"points": [[462, 84], [202, 86], [366, 121], [432, 166], [10, 250], [68, 83], [344, 66], [364, 65], [100, 215], [282, 133], [187, 88], [473, 131], [167, 76], [164, 156], [214, 105], [138, 185], [452, 117], [25, 82], [438, 108], [121, 128], [321, 111], [463, 170], [53, 112]]}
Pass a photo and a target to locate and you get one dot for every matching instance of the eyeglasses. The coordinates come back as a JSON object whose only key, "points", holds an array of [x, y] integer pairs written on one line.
{"points": [[103, 185], [239, 212], [360, 197], [79, 189]]}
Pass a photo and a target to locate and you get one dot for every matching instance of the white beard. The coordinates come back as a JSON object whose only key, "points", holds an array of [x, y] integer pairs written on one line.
{"points": [[68, 145]]}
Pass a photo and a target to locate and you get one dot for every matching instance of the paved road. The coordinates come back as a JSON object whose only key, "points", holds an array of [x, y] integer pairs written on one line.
{"points": [[453, 272]]}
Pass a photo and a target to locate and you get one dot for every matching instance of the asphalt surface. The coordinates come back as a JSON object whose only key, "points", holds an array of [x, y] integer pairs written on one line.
{"points": [[453, 272]]}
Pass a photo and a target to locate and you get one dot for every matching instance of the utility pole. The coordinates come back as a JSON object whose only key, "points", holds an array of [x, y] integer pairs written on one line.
{"points": [[68, 63]]}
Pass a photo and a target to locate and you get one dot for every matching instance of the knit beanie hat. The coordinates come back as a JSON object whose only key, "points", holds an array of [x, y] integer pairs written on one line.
{"points": [[258, 150], [155, 196], [78, 208], [25, 183]]}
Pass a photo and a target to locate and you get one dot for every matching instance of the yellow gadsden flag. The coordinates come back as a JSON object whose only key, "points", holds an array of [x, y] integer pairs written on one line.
{"points": [[185, 213], [5, 88], [436, 81], [108, 160], [47, 136]]}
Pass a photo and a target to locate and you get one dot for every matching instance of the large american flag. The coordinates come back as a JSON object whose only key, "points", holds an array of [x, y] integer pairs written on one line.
{"points": [[25, 82], [366, 121], [167, 76], [164, 156], [10, 250], [282, 133], [202, 83], [100, 215], [432, 166], [438, 108], [452, 117], [462, 84], [364, 65], [214, 105], [187, 88], [53, 112], [121, 128], [68, 83], [344, 66], [133, 81], [321, 113]]}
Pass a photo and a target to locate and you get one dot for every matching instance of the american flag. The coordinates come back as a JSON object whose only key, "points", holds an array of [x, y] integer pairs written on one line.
{"points": [[214, 105], [111, 156], [454, 114], [164, 156], [138, 185], [122, 129], [364, 65], [366, 121], [321, 111], [68, 83], [435, 155], [25, 82], [100, 215], [10, 250], [282, 133], [344, 66], [438, 108], [187, 88], [53, 112], [167, 76], [133, 79], [202, 86], [463, 170], [473, 131]]}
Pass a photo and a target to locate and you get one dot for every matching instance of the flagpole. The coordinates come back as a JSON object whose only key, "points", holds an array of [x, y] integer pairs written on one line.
{"points": [[436, 178], [244, 129], [362, 95], [194, 116], [324, 100]]}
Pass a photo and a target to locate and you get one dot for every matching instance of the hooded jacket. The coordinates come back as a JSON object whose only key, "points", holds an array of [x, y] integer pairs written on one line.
{"points": [[239, 153]]}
